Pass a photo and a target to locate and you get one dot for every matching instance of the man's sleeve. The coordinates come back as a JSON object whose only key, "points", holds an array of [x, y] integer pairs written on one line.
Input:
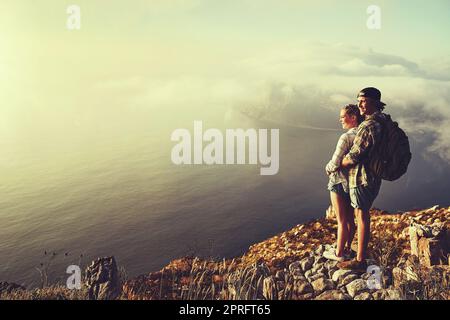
{"points": [[362, 144]]}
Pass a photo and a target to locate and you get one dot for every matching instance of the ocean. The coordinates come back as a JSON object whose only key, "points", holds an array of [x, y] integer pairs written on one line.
{"points": [[100, 189]]}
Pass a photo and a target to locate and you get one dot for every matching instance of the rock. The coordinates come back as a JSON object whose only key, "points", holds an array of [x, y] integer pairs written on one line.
{"points": [[340, 274], [319, 260], [308, 274], [379, 295], [8, 287], [356, 287], [307, 296], [343, 290], [331, 264], [320, 285], [298, 275], [281, 285], [331, 272], [318, 268], [296, 272], [365, 276], [302, 287], [316, 276], [319, 251], [434, 208], [294, 266], [333, 295], [364, 296], [317, 226], [431, 252], [102, 279], [393, 294], [306, 263], [347, 279], [429, 243], [321, 270], [281, 274]]}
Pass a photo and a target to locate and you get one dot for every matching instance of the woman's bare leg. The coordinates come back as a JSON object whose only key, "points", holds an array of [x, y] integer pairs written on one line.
{"points": [[363, 232], [340, 207]]}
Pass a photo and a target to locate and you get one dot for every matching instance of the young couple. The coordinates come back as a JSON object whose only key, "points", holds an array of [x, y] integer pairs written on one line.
{"points": [[353, 187]]}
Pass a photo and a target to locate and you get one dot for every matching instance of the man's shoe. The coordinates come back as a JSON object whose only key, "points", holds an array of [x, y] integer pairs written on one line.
{"points": [[353, 265]]}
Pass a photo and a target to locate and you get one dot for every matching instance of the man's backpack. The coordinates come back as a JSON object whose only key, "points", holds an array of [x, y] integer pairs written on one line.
{"points": [[391, 156]]}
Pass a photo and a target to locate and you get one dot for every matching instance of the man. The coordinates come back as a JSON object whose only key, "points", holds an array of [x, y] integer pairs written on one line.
{"points": [[363, 184]]}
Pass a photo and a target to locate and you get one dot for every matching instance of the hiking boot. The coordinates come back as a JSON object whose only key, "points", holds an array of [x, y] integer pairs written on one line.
{"points": [[330, 254], [353, 265]]}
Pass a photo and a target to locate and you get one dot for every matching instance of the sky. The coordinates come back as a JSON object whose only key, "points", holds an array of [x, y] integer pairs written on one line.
{"points": [[187, 56]]}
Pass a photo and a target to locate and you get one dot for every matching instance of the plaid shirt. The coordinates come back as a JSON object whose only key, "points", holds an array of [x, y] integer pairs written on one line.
{"points": [[368, 135]]}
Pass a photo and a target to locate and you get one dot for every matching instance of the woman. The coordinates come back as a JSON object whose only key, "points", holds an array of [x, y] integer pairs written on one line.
{"points": [[350, 119]]}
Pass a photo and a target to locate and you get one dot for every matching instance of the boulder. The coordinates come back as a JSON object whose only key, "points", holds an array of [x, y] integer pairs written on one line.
{"points": [[319, 251], [316, 276], [308, 274], [320, 285], [347, 279], [356, 287], [102, 279], [429, 243], [331, 272], [294, 266], [319, 260], [298, 275], [330, 264], [302, 287], [306, 263], [318, 268], [340, 274]]}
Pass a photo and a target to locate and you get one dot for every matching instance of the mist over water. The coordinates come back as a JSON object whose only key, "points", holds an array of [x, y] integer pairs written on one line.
{"points": [[113, 190]]}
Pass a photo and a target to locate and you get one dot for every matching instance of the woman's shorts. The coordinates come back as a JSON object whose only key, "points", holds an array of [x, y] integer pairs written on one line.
{"points": [[339, 189], [362, 197]]}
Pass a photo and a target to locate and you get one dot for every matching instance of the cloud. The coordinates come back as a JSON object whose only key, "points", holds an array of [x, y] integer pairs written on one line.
{"points": [[305, 87], [309, 86]]}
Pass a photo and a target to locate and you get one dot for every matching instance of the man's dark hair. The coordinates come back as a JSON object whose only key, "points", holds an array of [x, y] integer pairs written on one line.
{"points": [[380, 105]]}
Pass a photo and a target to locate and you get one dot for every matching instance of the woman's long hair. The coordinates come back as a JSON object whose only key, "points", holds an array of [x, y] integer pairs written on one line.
{"points": [[353, 110]]}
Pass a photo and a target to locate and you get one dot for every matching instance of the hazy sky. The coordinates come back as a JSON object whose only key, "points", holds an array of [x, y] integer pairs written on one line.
{"points": [[184, 55]]}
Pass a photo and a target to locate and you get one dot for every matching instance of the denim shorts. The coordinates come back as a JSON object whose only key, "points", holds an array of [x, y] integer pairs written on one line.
{"points": [[362, 197], [339, 189]]}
